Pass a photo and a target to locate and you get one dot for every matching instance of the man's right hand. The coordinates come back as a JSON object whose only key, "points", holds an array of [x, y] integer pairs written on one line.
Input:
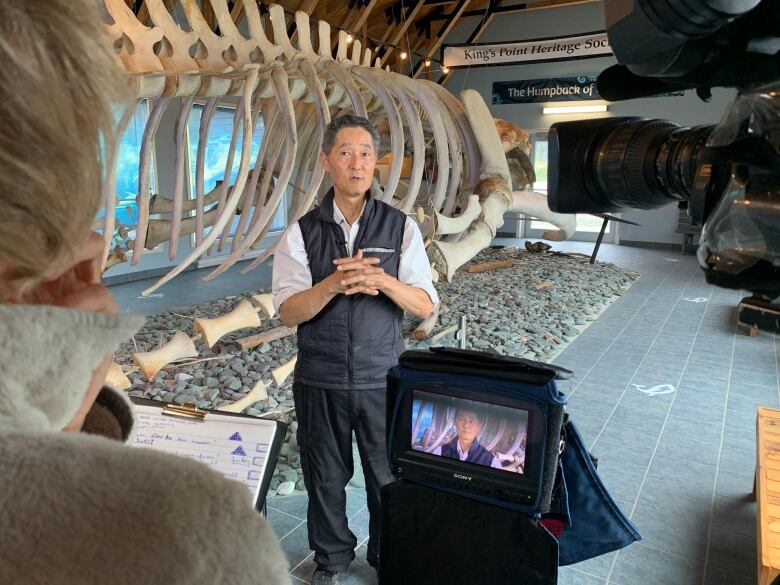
{"points": [[348, 267]]}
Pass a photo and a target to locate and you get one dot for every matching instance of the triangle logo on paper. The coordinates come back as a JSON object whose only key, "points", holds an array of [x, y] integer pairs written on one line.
{"points": [[235, 437], [239, 451]]}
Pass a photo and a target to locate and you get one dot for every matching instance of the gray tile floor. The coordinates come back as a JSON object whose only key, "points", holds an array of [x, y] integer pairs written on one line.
{"points": [[665, 394]]}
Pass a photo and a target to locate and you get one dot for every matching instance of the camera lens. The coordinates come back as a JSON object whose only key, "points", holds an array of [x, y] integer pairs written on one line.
{"points": [[694, 18], [617, 163]]}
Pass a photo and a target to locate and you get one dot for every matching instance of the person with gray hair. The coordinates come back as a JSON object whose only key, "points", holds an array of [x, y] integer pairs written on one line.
{"points": [[344, 274], [78, 504]]}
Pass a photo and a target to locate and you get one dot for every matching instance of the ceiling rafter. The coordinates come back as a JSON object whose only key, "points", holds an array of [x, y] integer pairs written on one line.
{"points": [[481, 27], [237, 12], [442, 34], [514, 8], [406, 20]]}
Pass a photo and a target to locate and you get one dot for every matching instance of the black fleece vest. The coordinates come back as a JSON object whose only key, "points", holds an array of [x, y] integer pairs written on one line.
{"points": [[477, 453], [355, 339]]}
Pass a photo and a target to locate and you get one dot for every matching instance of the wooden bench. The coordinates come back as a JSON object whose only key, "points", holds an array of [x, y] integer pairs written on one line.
{"points": [[767, 491]]}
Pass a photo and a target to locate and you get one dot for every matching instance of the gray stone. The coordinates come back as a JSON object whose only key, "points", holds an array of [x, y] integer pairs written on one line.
{"points": [[209, 393], [211, 382], [290, 475], [182, 398], [234, 384], [182, 377], [286, 489], [265, 348]]}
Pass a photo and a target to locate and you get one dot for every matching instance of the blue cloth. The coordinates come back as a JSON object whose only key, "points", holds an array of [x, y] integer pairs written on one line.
{"points": [[597, 526]]}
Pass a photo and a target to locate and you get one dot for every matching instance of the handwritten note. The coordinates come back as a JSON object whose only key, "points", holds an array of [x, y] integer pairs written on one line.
{"points": [[235, 447]]}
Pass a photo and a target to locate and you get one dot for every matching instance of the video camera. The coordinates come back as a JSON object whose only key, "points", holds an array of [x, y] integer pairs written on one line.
{"points": [[727, 176]]}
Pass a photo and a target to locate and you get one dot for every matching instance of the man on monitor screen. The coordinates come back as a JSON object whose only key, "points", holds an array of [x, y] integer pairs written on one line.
{"points": [[465, 445]]}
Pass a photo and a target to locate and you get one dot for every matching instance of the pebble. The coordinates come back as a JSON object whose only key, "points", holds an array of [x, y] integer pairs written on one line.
{"points": [[209, 393], [286, 488], [182, 398]]}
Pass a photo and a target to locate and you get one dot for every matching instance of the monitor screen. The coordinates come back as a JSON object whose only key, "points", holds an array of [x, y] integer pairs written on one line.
{"points": [[473, 432]]}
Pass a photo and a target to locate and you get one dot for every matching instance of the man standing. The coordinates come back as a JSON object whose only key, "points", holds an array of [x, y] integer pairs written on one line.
{"points": [[344, 274]]}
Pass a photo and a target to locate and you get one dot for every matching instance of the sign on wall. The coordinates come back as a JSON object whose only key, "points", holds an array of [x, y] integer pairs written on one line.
{"points": [[557, 89], [556, 49]]}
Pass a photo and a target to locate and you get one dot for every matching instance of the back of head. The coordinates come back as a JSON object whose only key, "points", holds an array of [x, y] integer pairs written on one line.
{"points": [[57, 85]]}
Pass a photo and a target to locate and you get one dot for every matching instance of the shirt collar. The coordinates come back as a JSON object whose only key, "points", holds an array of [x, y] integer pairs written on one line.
{"points": [[339, 217], [328, 207]]}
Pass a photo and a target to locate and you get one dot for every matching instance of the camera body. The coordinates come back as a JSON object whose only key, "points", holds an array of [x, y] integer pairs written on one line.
{"points": [[726, 176]]}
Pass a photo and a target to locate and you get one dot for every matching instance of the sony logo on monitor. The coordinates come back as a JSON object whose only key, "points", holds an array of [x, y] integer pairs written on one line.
{"points": [[459, 476]]}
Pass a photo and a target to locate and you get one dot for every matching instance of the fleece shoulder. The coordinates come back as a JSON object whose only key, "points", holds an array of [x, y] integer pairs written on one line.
{"points": [[110, 513]]}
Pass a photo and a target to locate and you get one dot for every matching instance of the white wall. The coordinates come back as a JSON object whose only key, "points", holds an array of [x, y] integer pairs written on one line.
{"points": [[657, 225]]}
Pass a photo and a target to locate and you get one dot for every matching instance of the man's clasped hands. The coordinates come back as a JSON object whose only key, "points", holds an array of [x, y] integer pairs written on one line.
{"points": [[357, 274]]}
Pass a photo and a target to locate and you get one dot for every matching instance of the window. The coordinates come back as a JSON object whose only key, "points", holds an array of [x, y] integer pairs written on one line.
{"points": [[127, 161], [216, 155], [539, 160]]}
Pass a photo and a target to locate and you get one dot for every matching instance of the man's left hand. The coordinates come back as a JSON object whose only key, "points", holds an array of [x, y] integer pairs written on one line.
{"points": [[370, 282]]}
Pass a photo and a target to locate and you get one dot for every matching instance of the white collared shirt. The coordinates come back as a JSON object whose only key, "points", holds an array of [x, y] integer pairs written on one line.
{"points": [[291, 273]]}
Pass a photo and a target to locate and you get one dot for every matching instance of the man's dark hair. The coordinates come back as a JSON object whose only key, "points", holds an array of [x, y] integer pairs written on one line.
{"points": [[479, 415], [348, 121]]}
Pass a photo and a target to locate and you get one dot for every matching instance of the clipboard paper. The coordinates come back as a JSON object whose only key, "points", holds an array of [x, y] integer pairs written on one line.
{"points": [[236, 447]]}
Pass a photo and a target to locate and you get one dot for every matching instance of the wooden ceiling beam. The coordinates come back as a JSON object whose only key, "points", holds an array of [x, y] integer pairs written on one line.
{"points": [[308, 6], [443, 32], [208, 14], [363, 17], [343, 26], [237, 12], [143, 12], [524, 7], [476, 33], [406, 20]]}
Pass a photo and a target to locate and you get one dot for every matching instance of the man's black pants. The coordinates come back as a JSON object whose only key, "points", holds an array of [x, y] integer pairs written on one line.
{"points": [[326, 420]]}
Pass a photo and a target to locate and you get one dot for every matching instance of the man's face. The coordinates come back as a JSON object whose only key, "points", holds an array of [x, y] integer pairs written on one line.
{"points": [[351, 162], [467, 424]]}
